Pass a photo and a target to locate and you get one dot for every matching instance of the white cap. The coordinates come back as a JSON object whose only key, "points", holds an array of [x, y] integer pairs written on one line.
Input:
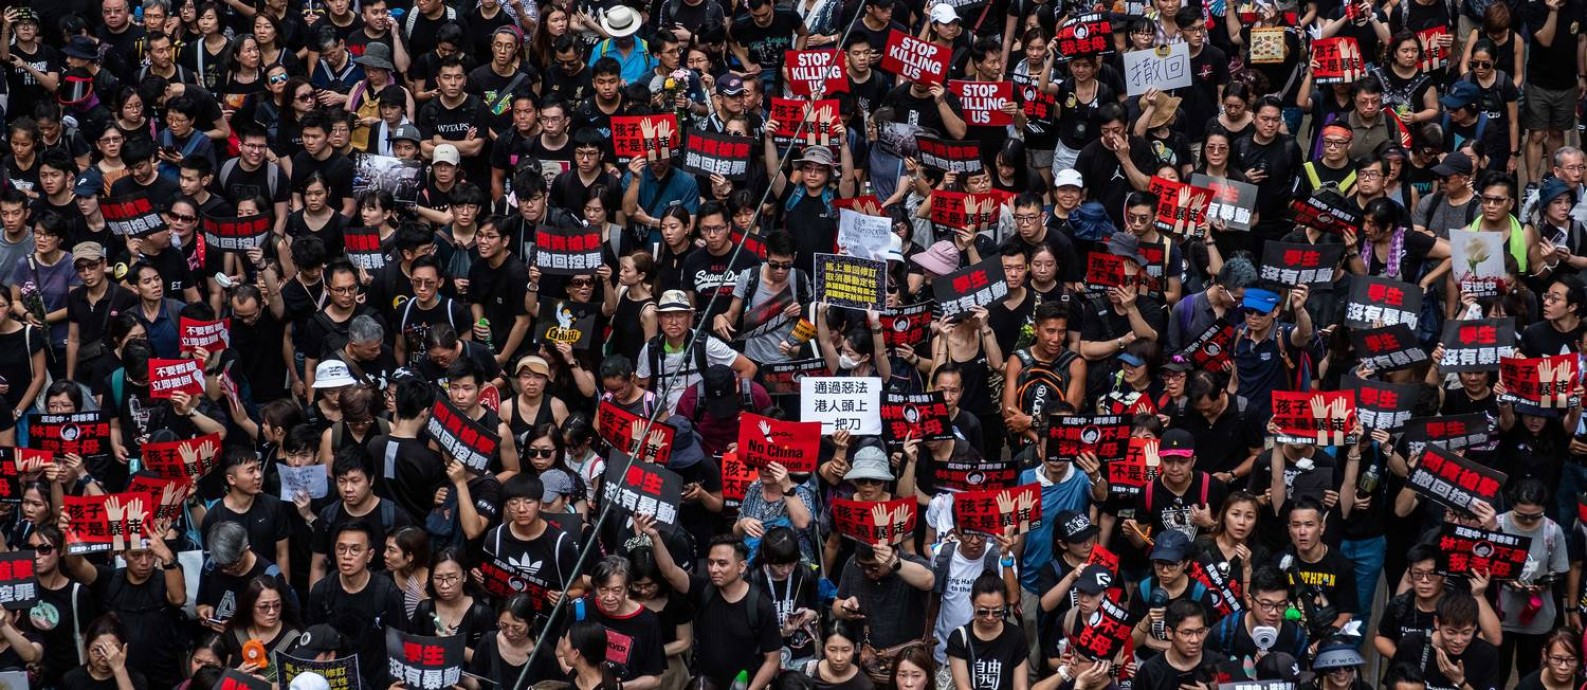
{"points": [[332, 373], [943, 13], [445, 153], [309, 680], [1068, 178]]}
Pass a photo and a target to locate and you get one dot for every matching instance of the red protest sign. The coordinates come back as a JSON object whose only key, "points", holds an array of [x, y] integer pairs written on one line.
{"points": [[983, 101], [867, 204], [973, 212], [14, 462], [913, 59], [236, 234], [1463, 549], [1315, 417], [84, 433], [1181, 208], [109, 522], [950, 156], [1222, 591], [907, 325], [1105, 633], [1128, 476], [818, 119], [1338, 59], [1100, 555], [1104, 270], [645, 136], [362, 246], [186, 459], [1070, 435], [1435, 55], [131, 216], [875, 522], [1212, 348], [462, 437], [1454, 481], [763, 440], [168, 493], [971, 475], [995, 510], [213, 336], [1087, 34], [921, 415], [815, 72], [167, 376], [1541, 381], [622, 429], [737, 479]]}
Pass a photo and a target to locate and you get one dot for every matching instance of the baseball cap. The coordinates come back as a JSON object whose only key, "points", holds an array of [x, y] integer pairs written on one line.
{"points": [[1264, 301], [556, 484], [406, 132], [309, 680], [673, 301], [1094, 579], [1337, 656], [1131, 359], [90, 182], [721, 392], [534, 363], [1075, 527], [319, 638], [1177, 442], [1068, 178], [1178, 363], [1460, 95], [1282, 666], [1455, 163], [87, 251], [332, 373], [446, 153], [1172, 545], [943, 13], [730, 85]]}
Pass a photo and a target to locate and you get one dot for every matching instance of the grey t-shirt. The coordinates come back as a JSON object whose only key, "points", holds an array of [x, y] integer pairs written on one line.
{"points": [[763, 324], [1445, 217], [1546, 557]]}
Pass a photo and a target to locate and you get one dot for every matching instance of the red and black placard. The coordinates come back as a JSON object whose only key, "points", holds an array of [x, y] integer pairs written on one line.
{"points": [[84, 433], [763, 440], [983, 101], [622, 429], [462, 437], [973, 212], [1105, 270], [644, 487], [1383, 405], [1085, 35], [1212, 348], [968, 288], [236, 234], [1320, 214], [13, 463], [107, 522], [737, 479], [950, 156], [818, 118], [1387, 348], [1300, 263], [816, 72], [168, 493], [187, 459], [922, 415], [341, 674], [708, 153], [1181, 208], [233, 679], [971, 475], [1338, 60], [213, 336], [1376, 301], [1463, 550], [1129, 475], [867, 204], [567, 251], [167, 376], [363, 248], [1323, 418], [914, 60], [1453, 481], [993, 511], [132, 216], [1223, 592], [907, 325], [1435, 55], [425, 663], [1105, 435], [1541, 381], [783, 378], [850, 281], [1105, 633], [875, 522], [650, 137], [1477, 344], [19, 584]]}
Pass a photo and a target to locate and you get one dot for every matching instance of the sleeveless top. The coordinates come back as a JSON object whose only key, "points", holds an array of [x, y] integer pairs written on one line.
{"points": [[627, 341], [521, 426]]}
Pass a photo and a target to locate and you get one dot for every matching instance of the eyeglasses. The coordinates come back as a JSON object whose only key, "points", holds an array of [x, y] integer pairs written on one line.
{"points": [[447, 579], [1335, 143], [1495, 200], [1140, 217], [1027, 217], [1423, 575], [1563, 660], [581, 283], [713, 228], [304, 97], [540, 452], [1191, 632], [268, 606], [88, 265], [1481, 64], [994, 612], [1271, 605], [349, 290], [1369, 173]]}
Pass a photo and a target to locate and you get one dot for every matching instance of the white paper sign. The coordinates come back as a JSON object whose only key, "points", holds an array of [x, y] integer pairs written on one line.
{"points": [[1477, 258], [842, 402], [310, 478], [863, 236], [1163, 68]]}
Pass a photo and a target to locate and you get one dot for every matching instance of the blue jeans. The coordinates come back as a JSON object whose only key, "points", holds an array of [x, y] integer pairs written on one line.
{"points": [[1572, 481], [1367, 555]]}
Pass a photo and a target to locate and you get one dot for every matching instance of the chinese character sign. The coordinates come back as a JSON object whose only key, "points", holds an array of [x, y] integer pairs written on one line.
{"points": [[425, 663], [918, 415], [968, 288], [650, 137], [462, 437], [567, 251], [907, 325], [950, 156], [1212, 348], [1463, 549], [131, 216], [763, 440], [1541, 381], [1300, 263], [1477, 258], [1181, 208], [84, 433], [169, 492], [167, 376], [341, 674], [706, 154], [875, 522], [993, 511], [19, 585], [812, 121], [1232, 200], [1388, 348], [1435, 55], [630, 434], [913, 59], [1476, 344], [1086, 34], [1164, 68], [564, 322], [850, 281], [112, 522], [737, 479], [1454, 432], [1104, 270], [188, 459], [14, 462], [1105, 633], [1383, 405], [236, 234], [852, 403], [1376, 302], [1129, 475], [783, 378], [1315, 417], [1070, 435], [213, 336], [1454, 481], [363, 248], [644, 487], [967, 211], [1339, 60]]}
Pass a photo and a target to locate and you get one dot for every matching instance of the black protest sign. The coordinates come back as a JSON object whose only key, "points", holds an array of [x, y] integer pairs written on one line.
{"points": [[341, 674], [1463, 550], [971, 474], [622, 429], [1104, 632], [1222, 590], [1324, 216], [236, 234], [1477, 345], [1084, 35], [783, 378], [1453, 481], [1387, 348], [565, 322], [19, 585], [1383, 405], [233, 679], [907, 325], [1108, 436], [362, 246], [644, 487], [567, 251], [1212, 347], [921, 415], [968, 288], [1376, 301], [462, 437], [83, 433], [1299, 263], [707, 153], [850, 281], [950, 156], [1232, 200], [1470, 430], [131, 216], [425, 663]]}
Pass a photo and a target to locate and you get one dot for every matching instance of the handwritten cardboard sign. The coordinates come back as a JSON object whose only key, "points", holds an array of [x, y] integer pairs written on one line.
{"points": [[1164, 68]]}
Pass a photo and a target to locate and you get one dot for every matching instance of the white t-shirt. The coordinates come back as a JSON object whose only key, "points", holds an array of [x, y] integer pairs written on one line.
{"points": [[956, 609], [716, 352]]}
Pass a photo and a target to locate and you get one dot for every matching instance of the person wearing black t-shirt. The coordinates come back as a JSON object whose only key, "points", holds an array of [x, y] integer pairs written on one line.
{"points": [[148, 593], [1323, 579], [1453, 656], [456, 117], [143, 177], [1181, 498], [570, 189], [356, 602], [499, 83], [64, 607], [107, 648], [1411, 612], [1266, 600], [989, 652], [636, 653], [714, 272], [263, 515], [406, 470], [1182, 666], [761, 39], [1115, 163], [1561, 326], [352, 472], [1170, 583], [497, 283], [319, 157]]}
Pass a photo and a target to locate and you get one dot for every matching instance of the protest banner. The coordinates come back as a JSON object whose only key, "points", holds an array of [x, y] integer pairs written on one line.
{"points": [[1453, 481], [1463, 550], [167, 376], [1211, 348], [1322, 215], [737, 479], [1300, 263], [763, 440], [813, 122], [875, 522], [236, 234], [1181, 208], [972, 473], [949, 155], [1105, 632], [1338, 60], [1383, 405], [1070, 435], [993, 511], [1323, 418], [645, 487], [1165, 68], [1455, 432], [919, 415], [864, 236], [107, 522], [816, 73], [233, 679], [849, 281], [1129, 475], [168, 493], [1477, 258], [131, 216], [567, 251], [565, 322], [310, 480], [213, 336], [708, 153], [1388, 348], [866, 204], [341, 674], [84, 433], [783, 378], [362, 246], [965, 211], [851, 403], [19, 584], [650, 137], [425, 663], [1435, 55], [915, 60], [14, 462], [1268, 45], [1084, 35], [624, 431], [983, 101], [1105, 270], [1376, 302], [1232, 200], [189, 458], [907, 325], [1546, 382], [1477, 344], [462, 437], [971, 287]]}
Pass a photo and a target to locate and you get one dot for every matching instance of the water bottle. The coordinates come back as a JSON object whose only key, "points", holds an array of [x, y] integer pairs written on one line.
{"points": [[740, 681], [1368, 483], [484, 325], [1158, 600]]}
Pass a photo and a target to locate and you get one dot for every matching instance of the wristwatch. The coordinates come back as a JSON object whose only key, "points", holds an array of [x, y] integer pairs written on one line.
{"points": [[898, 563]]}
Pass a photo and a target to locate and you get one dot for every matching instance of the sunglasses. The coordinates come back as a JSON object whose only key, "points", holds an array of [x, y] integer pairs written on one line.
{"points": [[581, 282], [46, 548], [278, 79], [983, 612], [1481, 64], [540, 452], [183, 217]]}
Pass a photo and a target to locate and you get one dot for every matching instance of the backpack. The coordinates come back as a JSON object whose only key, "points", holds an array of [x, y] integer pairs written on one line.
{"points": [[752, 611], [1031, 376], [746, 400], [657, 351], [1206, 481], [387, 508], [801, 293], [272, 176], [942, 563]]}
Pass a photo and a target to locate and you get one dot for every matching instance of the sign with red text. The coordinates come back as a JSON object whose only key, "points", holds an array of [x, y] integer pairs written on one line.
{"points": [[1323, 418], [763, 440], [1181, 208], [949, 155], [107, 522], [362, 246], [1338, 60], [1211, 348], [875, 522], [1453, 481], [1473, 430], [629, 435], [213, 336], [993, 511], [233, 679], [918, 415], [967, 211], [737, 479], [644, 487], [341, 674], [461, 437], [84, 433], [1477, 258], [1105, 633], [1105, 270], [1300, 263], [131, 216], [1477, 344], [866, 204], [913, 59], [425, 663], [907, 325], [1322, 215], [651, 137], [1542, 381], [968, 288], [1084, 35], [1383, 405], [707, 153], [14, 462], [1376, 302], [187, 459], [816, 72], [983, 101], [783, 378], [1463, 550], [1232, 200], [19, 584], [168, 492], [811, 122], [972, 473], [1070, 435], [567, 251], [1388, 348], [167, 376], [1435, 55], [236, 234], [1223, 592], [1129, 475]]}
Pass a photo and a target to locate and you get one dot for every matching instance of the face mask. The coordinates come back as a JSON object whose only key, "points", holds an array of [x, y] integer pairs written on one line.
{"points": [[845, 363]]}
